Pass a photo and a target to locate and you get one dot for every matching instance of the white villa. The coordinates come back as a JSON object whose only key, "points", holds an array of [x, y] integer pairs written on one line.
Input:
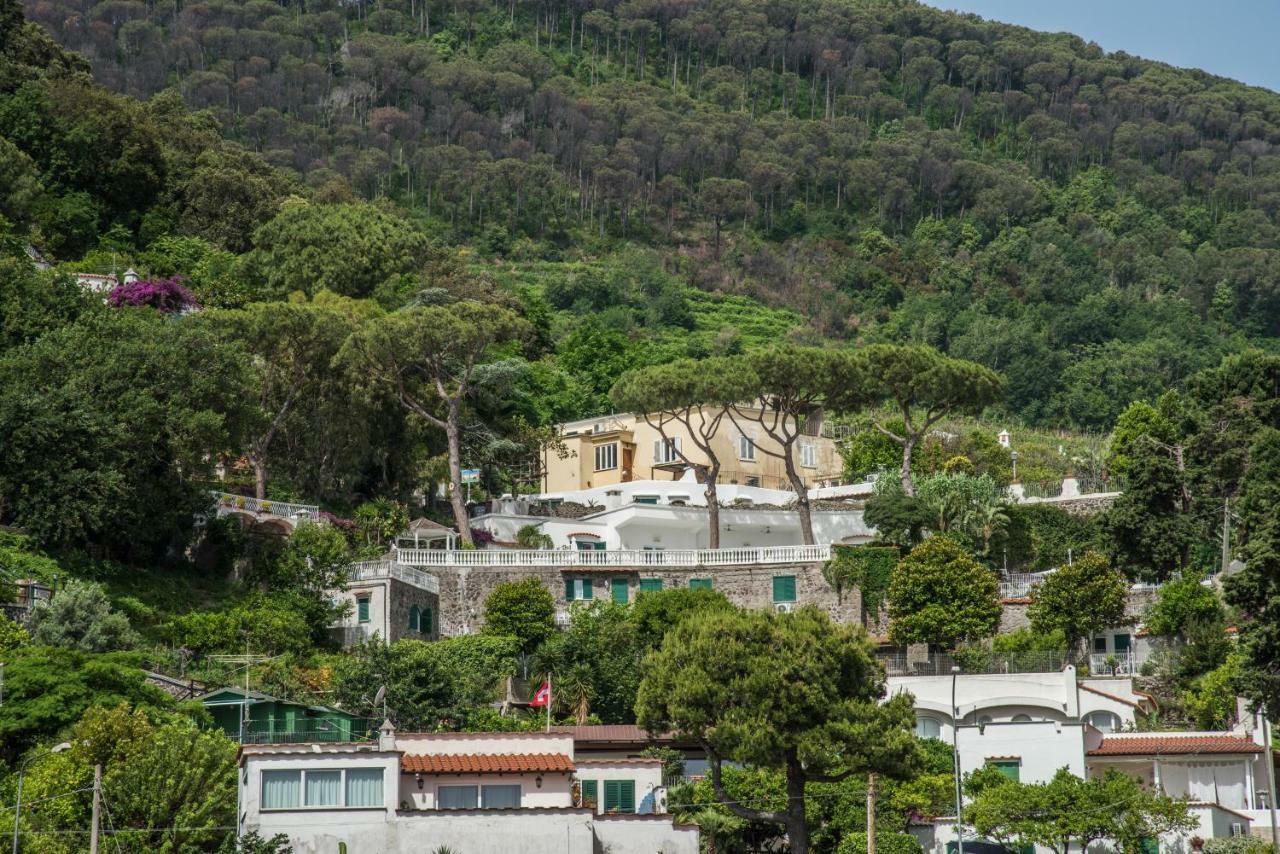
{"points": [[1029, 725], [483, 793], [653, 515]]}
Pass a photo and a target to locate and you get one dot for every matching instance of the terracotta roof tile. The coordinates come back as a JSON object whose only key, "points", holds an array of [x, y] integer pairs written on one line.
{"points": [[608, 732], [485, 763], [1173, 744]]}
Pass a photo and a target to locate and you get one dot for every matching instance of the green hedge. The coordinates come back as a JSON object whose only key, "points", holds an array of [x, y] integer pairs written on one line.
{"points": [[886, 843]]}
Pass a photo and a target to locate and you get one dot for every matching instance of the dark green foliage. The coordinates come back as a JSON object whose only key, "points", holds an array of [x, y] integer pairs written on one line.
{"points": [[868, 568], [596, 662], [657, 612], [47, 689], [889, 843], [1042, 537], [523, 610], [1079, 599], [33, 303], [108, 422], [940, 595]]}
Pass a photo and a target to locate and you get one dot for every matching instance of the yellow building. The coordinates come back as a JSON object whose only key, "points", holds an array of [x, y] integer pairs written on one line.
{"points": [[625, 447]]}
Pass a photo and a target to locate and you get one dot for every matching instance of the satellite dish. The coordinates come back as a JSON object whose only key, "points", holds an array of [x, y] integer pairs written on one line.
{"points": [[381, 696]]}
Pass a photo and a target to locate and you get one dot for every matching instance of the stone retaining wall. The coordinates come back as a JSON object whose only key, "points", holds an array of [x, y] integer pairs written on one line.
{"points": [[464, 589]]}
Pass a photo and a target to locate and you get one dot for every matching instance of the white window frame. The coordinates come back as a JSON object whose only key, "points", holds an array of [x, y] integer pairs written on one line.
{"points": [[607, 452], [302, 789], [666, 450], [746, 448], [808, 455], [475, 786]]}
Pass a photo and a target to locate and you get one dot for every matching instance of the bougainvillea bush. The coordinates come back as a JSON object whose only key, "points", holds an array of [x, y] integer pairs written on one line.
{"points": [[165, 295]]}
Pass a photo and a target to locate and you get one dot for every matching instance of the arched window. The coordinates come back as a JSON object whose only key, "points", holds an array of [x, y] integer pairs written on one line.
{"points": [[928, 728], [1103, 721], [1022, 719], [415, 618]]}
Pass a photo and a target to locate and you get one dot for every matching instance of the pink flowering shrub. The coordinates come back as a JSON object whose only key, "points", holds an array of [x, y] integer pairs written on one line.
{"points": [[164, 295]]}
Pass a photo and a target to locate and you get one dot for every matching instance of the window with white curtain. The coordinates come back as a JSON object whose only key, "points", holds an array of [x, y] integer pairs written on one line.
{"points": [[322, 788], [457, 797], [808, 455], [500, 797], [746, 448], [1103, 721], [281, 789], [364, 787]]}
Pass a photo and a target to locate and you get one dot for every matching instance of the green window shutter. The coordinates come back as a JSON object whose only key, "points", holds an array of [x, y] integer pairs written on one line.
{"points": [[627, 796], [784, 588], [649, 585], [568, 589], [428, 621], [610, 795], [362, 609], [587, 588], [699, 583], [413, 618], [619, 588], [590, 794]]}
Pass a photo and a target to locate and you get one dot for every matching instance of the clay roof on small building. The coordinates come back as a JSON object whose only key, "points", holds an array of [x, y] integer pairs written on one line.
{"points": [[1171, 744], [486, 763]]}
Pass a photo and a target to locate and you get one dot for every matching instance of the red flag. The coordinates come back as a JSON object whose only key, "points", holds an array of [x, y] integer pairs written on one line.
{"points": [[542, 696]]}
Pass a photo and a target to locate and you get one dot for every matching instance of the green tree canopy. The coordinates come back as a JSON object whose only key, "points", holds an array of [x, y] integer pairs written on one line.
{"points": [[1079, 599], [791, 692], [923, 386], [346, 248], [524, 610], [80, 617], [427, 359], [940, 595]]}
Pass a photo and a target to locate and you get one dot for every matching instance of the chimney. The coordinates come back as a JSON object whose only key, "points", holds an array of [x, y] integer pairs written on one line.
{"points": [[387, 736], [130, 276]]}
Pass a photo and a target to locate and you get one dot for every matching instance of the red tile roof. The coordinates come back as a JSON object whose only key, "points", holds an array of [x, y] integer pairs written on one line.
{"points": [[606, 732], [1173, 744], [485, 763]]}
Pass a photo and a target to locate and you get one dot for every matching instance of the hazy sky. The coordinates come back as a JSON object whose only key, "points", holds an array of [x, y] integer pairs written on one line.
{"points": [[1234, 38]]}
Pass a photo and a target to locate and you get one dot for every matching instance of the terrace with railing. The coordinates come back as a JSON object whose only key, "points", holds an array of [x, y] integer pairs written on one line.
{"points": [[231, 503], [588, 558], [308, 730], [971, 662], [376, 570]]}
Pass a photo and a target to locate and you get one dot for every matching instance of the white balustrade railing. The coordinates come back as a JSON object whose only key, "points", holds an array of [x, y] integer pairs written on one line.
{"points": [[376, 570], [614, 557], [230, 503]]}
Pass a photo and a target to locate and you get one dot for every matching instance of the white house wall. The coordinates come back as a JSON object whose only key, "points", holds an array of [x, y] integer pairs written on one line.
{"points": [[1041, 748]]}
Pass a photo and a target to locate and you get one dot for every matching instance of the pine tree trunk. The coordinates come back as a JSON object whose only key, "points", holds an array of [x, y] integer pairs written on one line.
{"points": [[460, 517]]}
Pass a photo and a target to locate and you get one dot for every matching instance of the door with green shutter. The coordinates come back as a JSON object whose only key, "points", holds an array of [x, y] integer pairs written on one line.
{"points": [[699, 583], [784, 588], [619, 588], [650, 585], [620, 796]]}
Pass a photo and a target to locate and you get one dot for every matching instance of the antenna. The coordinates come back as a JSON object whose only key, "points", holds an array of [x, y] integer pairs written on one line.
{"points": [[380, 698]]}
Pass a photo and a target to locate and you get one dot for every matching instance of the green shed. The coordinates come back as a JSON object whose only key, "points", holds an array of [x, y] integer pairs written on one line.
{"points": [[252, 717]]}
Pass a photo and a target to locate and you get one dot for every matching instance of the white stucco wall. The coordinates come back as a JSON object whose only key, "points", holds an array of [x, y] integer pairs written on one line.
{"points": [[1040, 696], [647, 774], [556, 789], [645, 835], [1041, 747]]}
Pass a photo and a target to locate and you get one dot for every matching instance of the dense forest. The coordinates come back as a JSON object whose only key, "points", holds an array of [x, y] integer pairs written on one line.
{"points": [[1096, 226]]}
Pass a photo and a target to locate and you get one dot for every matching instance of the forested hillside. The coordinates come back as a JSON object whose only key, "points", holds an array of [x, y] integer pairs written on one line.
{"points": [[1096, 226]]}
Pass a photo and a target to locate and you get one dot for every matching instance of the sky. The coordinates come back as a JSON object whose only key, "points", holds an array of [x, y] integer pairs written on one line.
{"points": [[1233, 38]]}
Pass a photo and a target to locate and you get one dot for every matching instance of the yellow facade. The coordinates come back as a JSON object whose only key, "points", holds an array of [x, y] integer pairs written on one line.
{"points": [[622, 448]]}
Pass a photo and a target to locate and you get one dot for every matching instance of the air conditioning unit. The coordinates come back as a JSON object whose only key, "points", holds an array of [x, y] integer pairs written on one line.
{"points": [[784, 607]]}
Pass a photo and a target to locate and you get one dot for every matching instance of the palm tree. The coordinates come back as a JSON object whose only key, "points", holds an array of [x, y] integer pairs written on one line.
{"points": [[573, 693], [717, 827], [987, 519]]}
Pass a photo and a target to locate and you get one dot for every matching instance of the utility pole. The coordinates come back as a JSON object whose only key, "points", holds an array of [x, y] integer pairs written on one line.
{"points": [[955, 749], [871, 814], [1226, 535], [97, 808]]}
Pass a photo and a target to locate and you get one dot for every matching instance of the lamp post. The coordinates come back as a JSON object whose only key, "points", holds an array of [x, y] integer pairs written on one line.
{"points": [[955, 750], [1014, 456], [22, 769]]}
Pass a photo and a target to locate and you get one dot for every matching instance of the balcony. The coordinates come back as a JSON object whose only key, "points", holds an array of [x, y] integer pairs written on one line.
{"points": [[625, 558], [1113, 664], [973, 662], [310, 730], [229, 503], [378, 570]]}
